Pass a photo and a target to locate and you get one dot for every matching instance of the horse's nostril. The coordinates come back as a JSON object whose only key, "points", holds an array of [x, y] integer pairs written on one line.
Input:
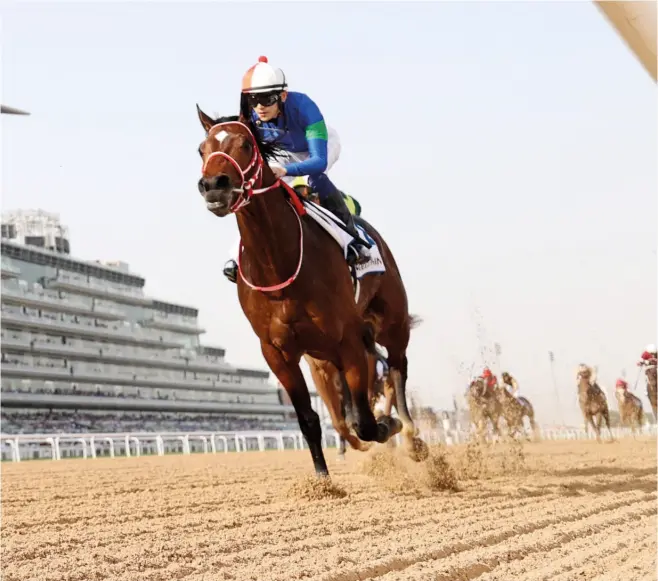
{"points": [[222, 181]]}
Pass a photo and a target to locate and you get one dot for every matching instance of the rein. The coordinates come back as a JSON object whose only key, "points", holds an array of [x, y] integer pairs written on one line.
{"points": [[250, 187]]}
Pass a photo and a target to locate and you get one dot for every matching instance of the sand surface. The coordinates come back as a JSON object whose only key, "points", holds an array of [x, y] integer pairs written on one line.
{"points": [[558, 510]]}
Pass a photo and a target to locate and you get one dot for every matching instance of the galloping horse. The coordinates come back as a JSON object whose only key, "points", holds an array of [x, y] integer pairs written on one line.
{"points": [[631, 413], [593, 402], [651, 388], [295, 288], [483, 406], [514, 410]]}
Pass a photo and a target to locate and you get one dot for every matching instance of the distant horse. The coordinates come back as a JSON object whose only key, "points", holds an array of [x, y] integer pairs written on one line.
{"points": [[483, 406], [296, 290], [514, 410], [631, 413], [651, 388], [593, 402]]}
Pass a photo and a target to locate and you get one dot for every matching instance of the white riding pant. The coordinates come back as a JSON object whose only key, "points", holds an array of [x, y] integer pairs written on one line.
{"points": [[333, 153]]}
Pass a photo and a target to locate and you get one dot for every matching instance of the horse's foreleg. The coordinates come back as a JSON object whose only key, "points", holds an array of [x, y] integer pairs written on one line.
{"points": [[290, 375], [328, 385], [596, 422]]}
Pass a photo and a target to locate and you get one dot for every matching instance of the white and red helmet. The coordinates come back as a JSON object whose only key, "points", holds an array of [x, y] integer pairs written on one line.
{"points": [[263, 78]]}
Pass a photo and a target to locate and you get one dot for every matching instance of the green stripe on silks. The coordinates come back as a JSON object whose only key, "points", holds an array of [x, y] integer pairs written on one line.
{"points": [[352, 205], [317, 131]]}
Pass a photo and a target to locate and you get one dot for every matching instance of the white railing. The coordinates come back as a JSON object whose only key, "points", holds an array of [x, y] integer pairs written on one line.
{"points": [[87, 445]]}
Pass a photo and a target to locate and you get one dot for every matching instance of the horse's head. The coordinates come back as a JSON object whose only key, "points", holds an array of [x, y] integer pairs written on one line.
{"points": [[232, 164], [477, 388], [584, 373]]}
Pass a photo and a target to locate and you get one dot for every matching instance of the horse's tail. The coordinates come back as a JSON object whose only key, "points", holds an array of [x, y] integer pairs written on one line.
{"points": [[415, 321]]}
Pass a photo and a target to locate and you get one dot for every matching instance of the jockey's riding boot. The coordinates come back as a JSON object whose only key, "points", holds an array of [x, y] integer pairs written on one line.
{"points": [[231, 270], [333, 201]]}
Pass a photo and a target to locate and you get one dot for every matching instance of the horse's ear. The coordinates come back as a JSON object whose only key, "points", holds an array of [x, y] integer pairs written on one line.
{"points": [[206, 121]]}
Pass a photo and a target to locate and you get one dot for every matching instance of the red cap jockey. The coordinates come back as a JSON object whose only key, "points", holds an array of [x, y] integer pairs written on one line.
{"points": [[649, 356], [621, 384], [489, 378]]}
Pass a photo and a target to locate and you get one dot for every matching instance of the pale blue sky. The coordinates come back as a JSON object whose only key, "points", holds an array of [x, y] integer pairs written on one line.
{"points": [[507, 152]]}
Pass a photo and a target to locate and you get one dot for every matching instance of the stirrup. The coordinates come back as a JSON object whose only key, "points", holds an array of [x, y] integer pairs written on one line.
{"points": [[231, 271], [357, 254]]}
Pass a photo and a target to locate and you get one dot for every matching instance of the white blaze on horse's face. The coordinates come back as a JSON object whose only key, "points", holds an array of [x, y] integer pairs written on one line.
{"points": [[221, 136]]}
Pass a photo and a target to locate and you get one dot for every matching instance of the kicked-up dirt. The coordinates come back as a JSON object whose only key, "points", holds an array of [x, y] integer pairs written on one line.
{"points": [[562, 511]]}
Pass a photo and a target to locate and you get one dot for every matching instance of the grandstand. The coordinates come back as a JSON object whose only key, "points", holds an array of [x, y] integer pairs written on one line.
{"points": [[84, 350]]}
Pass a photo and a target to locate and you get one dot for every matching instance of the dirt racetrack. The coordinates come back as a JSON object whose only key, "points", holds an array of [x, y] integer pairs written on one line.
{"points": [[558, 510]]}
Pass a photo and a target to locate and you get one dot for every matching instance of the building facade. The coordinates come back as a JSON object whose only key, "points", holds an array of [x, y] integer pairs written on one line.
{"points": [[84, 349]]}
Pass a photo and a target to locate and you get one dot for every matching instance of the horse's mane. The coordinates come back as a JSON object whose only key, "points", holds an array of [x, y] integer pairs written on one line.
{"points": [[267, 149], [414, 321]]}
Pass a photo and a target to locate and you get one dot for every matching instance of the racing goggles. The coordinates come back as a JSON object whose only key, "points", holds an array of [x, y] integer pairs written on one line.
{"points": [[264, 99]]}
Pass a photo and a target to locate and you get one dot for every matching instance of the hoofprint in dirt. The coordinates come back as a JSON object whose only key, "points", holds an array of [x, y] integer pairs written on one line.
{"points": [[552, 511]]}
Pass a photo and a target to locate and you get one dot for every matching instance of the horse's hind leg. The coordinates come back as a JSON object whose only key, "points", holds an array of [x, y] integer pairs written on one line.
{"points": [[416, 448], [533, 426], [605, 416], [355, 378], [290, 375]]}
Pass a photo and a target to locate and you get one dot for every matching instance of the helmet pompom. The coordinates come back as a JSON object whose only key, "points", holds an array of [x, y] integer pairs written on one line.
{"points": [[262, 59]]}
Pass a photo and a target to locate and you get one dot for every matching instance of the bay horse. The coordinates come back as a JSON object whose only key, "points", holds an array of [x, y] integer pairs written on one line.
{"points": [[631, 413], [593, 403], [514, 410], [483, 406], [296, 290]]}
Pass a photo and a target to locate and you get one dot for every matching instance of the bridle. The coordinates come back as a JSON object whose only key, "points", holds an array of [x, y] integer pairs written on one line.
{"points": [[250, 187]]}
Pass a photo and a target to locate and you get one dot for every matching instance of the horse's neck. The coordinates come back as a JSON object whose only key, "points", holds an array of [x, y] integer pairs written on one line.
{"points": [[583, 386], [269, 233]]}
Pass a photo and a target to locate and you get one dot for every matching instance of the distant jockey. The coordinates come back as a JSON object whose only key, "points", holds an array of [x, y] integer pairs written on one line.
{"points": [[300, 185], [293, 122], [381, 365], [510, 384], [622, 387], [490, 380], [649, 357]]}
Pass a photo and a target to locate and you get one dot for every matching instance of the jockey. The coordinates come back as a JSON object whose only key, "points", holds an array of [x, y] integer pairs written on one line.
{"points": [[649, 357], [510, 384], [381, 365], [490, 380], [300, 185], [621, 386], [293, 122]]}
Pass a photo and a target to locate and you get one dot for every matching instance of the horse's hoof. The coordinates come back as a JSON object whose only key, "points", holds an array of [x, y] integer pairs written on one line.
{"points": [[340, 458], [419, 451]]}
